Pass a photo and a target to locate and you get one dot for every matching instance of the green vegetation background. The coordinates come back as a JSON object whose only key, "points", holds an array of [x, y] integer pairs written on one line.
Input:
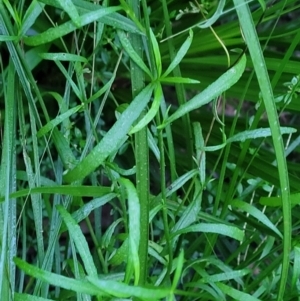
{"points": [[149, 150]]}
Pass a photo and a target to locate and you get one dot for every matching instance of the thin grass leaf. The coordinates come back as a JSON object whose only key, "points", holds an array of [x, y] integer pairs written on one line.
{"points": [[92, 191], [156, 53], [115, 20], [251, 38], [178, 80], [179, 55], [274, 201], [200, 155], [76, 285], [63, 148], [27, 297], [122, 290], [229, 275], [7, 185], [158, 95], [68, 57], [178, 271], [132, 53], [251, 134], [223, 83], [134, 226], [79, 241], [120, 255], [190, 213], [56, 121], [71, 10], [236, 294], [226, 230], [104, 89], [113, 139], [61, 30], [296, 268], [4, 38], [33, 11], [257, 214], [214, 17], [107, 236], [85, 210]]}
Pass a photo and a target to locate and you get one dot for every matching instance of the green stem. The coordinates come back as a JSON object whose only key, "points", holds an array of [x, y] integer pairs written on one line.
{"points": [[141, 153]]}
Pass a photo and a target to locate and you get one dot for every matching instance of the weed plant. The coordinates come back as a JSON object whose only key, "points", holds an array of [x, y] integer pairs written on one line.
{"points": [[149, 150]]}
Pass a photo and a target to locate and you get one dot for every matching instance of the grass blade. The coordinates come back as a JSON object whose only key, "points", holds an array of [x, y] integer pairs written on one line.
{"points": [[250, 35], [223, 83], [79, 240], [61, 30], [114, 138]]}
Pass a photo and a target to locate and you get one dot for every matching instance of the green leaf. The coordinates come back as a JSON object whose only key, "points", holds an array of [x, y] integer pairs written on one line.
{"points": [[115, 20], [4, 38], [79, 241], [178, 271], [71, 10], [134, 226], [277, 201], [179, 55], [251, 134], [156, 53], [214, 17], [126, 44], [113, 139], [228, 275], [63, 57], [85, 210], [33, 11], [26, 297], [226, 230], [236, 294], [256, 213], [61, 30], [122, 290], [296, 268], [76, 285], [56, 121], [92, 191], [158, 95], [223, 83], [178, 80]]}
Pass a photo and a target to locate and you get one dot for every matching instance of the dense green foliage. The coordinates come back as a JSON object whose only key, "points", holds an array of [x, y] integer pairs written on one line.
{"points": [[149, 150]]}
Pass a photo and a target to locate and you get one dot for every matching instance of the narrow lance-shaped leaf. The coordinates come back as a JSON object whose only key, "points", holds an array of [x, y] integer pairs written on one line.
{"points": [[122, 290], [158, 94], [132, 53], [115, 20], [34, 10], [178, 80], [76, 285], [251, 134], [79, 240], [223, 83], [230, 231], [214, 17], [256, 213], [56, 121], [114, 137], [134, 226], [71, 10], [180, 54], [60, 31], [156, 52], [63, 57]]}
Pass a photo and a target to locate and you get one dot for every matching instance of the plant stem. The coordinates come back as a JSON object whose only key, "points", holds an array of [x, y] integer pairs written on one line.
{"points": [[141, 153]]}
